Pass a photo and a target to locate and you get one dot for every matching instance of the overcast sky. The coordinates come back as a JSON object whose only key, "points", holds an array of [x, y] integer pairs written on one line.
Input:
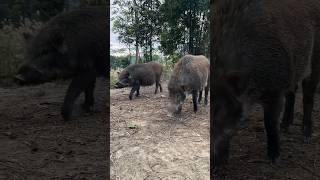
{"points": [[114, 42]]}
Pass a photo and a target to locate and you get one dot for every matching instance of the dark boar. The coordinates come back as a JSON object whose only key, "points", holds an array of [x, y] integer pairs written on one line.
{"points": [[71, 45], [190, 75], [137, 75], [262, 49]]}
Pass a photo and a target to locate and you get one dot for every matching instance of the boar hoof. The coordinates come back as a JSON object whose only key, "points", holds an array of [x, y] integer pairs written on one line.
{"points": [[177, 113], [275, 161], [216, 171], [284, 127], [307, 140], [87, 108], [130, 97]]}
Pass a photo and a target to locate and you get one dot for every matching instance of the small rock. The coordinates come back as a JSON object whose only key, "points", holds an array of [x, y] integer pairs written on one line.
{"points": [[132, 126], [163, 96], [169, 115]]}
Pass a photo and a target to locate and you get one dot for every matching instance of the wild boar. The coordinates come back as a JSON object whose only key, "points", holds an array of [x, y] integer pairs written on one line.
{"points": [[71, 45], [137, 75], [262, 49], [190, 75]]}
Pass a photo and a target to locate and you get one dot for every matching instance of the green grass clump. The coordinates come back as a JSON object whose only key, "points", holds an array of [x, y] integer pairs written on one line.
{"points": [[12, 48], [114, 77]]}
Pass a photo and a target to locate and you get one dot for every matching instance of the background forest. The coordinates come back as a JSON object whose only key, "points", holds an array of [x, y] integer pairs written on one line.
{"points": [[171, 28]]}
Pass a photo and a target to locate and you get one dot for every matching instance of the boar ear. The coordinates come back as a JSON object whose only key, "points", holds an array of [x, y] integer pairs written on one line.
{"points": [[237, 81], [27, 36]]}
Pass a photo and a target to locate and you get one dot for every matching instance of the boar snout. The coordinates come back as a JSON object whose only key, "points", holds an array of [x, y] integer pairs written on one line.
{"points": [[119, 85], [19, 79], [175, 108]]}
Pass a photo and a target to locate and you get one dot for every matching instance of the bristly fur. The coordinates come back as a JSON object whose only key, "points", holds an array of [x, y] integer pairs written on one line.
{"points": [[78, 38], [190, 72], [147, 74], [262, 50]]}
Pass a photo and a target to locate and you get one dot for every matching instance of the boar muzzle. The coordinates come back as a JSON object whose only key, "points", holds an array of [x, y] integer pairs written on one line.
{"points": [[19, 79]]}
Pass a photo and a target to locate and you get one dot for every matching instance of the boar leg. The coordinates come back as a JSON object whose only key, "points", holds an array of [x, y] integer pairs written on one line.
{"points": [[135, 87], [225, 120], [289, 111], [194, 99], [158, 85], [138, 90], [272, 110], [200, 96], [309, 85], [288, 115], [206, 90], [74, 90], [89, 98]]}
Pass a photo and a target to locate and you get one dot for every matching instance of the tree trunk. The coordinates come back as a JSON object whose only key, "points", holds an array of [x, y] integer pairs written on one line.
{"points": [[130, 53], [4, 9], [137, 52], [136, 31], [190, 29]]}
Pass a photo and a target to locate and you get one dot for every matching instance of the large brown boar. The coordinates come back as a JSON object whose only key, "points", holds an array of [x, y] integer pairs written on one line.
{"points": [[262, 49], [71, 45], [137, 75], [190, 75]]}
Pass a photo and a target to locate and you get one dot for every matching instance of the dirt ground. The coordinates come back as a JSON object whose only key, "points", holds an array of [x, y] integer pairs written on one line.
{"points": [[299, 160], [37, 144], [147, 143]]}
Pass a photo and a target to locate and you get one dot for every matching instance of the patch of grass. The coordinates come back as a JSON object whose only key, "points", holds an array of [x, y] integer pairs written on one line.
{"points": [[167, 72], [114, 77], [12, 48]]}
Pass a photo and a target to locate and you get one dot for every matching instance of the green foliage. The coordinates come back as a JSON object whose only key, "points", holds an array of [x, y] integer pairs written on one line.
{"points": [[185, 26], [35, 9], [41, 10], [178, 25], [12, 48], [119, 62], [169, 63], [114, 77], [172, 59], [124, 22], [137, 22]]}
